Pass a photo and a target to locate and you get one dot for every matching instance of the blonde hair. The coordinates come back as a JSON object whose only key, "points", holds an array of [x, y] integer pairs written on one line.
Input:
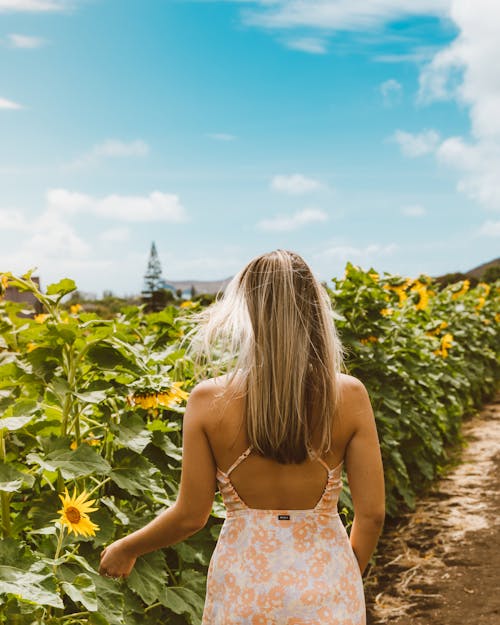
{"points": [[273, 329]]}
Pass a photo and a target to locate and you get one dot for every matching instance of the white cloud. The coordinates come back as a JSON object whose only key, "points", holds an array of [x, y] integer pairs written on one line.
{"points": [[467, 70], [414, 210], [357, 254], [339, 14], [312, 45], [9, 105], [490, 229], [295, 184], [479, 164], [413, 145], [54, 238], [418, 55], [156, 206], [116, 148], [391, 91], [111, 148], [221, 136], [34, 6], [25, 41], [12, 219], [115, 235], [285, 223]]}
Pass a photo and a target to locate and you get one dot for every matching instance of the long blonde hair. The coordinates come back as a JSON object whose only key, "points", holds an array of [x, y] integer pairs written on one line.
{"points": [[273, 329]]}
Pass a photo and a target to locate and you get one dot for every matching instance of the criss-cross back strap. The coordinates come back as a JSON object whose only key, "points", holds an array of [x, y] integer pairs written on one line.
{"points": [[239, 459], [320, 460]]}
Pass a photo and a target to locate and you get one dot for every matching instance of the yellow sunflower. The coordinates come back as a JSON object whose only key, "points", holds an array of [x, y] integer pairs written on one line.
{"points": [[74, 513]]}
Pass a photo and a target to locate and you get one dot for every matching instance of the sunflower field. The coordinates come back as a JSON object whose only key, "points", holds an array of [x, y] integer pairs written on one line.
{"points": [[91, 433]]}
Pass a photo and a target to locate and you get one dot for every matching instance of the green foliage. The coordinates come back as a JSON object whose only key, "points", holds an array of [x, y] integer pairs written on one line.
{"points": [[97, 404]]}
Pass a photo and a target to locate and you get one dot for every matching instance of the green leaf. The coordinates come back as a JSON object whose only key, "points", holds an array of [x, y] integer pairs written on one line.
{"points": [[195, 580], [131, 433], [134, 473], [37, 584], [163, 442], [82, 589], [11, 479], [14, 423], [148, 578], [121, 516], [107, 528], [92, 397], [109, 600], [190, 554], [183, 601], [97, 619], [62, 287], [108, 357], [72, 464]]}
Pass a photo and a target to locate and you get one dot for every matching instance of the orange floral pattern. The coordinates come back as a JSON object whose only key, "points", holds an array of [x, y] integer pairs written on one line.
{"points": [[299, 569]]}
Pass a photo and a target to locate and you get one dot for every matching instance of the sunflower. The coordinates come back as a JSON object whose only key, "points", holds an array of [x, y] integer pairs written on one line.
{"points": [[74, 513]]}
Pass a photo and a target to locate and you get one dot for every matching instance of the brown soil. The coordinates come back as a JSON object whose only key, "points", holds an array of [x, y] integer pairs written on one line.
{"points": [[440, 564]]}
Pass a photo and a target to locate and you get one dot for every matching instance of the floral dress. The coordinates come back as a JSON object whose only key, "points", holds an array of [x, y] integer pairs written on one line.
{"points": [[283, 567]]}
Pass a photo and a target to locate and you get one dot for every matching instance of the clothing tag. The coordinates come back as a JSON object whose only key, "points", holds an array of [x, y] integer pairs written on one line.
{"points": [[284, 517]]}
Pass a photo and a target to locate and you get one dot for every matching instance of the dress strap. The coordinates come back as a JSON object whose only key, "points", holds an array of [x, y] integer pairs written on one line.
{"points": [[239, 459], [320, 460]]}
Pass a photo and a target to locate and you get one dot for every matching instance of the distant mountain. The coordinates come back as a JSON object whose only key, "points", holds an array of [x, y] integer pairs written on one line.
{"points": [[200, 286], [474, 275], [478, 271]]}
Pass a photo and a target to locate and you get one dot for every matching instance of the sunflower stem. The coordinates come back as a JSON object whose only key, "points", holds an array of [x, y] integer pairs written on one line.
{"points": [[59, 545], [4, 496], [98, 486], [75, 614]]}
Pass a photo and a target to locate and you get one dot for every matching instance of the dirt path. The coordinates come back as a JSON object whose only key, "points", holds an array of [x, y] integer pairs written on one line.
{"points": [[440, 565]]}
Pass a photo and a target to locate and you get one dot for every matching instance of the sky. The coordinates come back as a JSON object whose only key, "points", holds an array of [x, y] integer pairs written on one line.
{"points": [[364, 131]]}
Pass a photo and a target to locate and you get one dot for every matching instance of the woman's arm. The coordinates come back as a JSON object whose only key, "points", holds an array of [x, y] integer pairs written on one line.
{"points": [[194, 502], [363, 461]]}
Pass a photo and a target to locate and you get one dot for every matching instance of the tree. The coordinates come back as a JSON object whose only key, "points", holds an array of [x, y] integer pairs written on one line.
{"points": [[491, 274], [153, 282]]}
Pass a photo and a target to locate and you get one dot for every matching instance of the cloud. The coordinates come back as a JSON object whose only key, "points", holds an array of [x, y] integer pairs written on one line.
{"points": [[221, 136], [34, 6], [24, 41], [357, 254], [285, 223], [156, 206], [479, 165], [391, 91], [418, 55], [414, 210], [295, 184], [13, 219], [490, 229], [414, 145], [467, 71], [115, 235], [9, 105], [337, 15], [111, 148], [116, 148], [312, 45]]}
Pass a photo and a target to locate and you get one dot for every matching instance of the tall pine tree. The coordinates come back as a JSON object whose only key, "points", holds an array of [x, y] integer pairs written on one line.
{"points": [[153, 291]]}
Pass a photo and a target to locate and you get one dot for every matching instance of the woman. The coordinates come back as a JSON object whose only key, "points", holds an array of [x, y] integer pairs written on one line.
{"points": [[273, 436]]}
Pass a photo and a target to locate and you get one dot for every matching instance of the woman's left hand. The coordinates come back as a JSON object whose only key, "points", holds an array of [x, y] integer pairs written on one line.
{"points": [[117, 560]]}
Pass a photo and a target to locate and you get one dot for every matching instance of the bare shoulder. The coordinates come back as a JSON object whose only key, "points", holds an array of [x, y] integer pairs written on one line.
{"points": [[209, 398], [351, 388], [355, 405], [207, 391]]}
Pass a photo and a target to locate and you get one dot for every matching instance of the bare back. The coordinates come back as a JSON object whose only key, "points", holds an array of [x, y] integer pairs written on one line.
{"points": [[264, 483]]}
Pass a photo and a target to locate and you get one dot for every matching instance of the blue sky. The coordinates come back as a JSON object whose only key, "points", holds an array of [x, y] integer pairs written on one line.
{"points": [[344, 131]]}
